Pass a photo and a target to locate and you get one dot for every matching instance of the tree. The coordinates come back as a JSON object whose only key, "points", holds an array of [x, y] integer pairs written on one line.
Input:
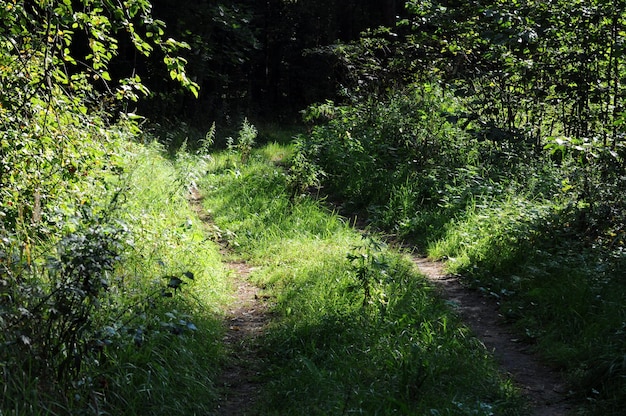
{"points": [[55, 57], [258, 58]]}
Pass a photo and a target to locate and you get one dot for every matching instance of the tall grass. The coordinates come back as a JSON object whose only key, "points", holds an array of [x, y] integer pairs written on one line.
{"points": [[173, 368], [139, 287], [356, 329]]}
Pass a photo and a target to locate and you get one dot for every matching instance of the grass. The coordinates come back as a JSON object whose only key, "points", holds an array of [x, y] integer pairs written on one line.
{"points": [[174, 369], [366, 335], [151, 338], [564, 296], [541, 230], [357, 330]]}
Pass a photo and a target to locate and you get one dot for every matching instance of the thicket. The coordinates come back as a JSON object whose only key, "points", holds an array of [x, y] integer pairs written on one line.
{"points": [[261, 60], [94, 315], [492, 135]]}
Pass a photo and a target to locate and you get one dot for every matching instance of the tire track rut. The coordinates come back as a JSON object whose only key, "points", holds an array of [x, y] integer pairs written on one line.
{"points": [[544, 387], [246, 317]]}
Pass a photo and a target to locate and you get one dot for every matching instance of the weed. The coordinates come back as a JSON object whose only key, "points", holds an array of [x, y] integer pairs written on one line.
{"points": [[245, 140], [207, 141], [369, 266]]}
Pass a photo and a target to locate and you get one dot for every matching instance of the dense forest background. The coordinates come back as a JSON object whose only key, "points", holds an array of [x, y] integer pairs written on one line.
{"points": [[268, 59], [489, 133], [513, 57]]}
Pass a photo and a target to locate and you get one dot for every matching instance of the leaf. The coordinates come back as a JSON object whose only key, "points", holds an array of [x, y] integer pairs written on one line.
{"points": [[25, 340], [194, 90], [174, 282]]}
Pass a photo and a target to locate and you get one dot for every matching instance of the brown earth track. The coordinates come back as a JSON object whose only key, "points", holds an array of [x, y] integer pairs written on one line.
{"points": [[543, 386], [245, 320]]}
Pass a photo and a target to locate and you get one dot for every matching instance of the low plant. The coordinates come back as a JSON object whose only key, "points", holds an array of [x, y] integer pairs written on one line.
{"points": [[208, 140], [245, 140], [370, 268]]}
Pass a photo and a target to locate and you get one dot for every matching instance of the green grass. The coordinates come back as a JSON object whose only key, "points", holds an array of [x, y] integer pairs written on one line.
{"points": [[363, 336], [170, 373], [141, 352], [541, 230], [564, 295]]}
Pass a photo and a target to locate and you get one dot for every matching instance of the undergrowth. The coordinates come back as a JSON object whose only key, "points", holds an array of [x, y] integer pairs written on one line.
{"points": [[176, 353], [539, 226], [108, 308]]}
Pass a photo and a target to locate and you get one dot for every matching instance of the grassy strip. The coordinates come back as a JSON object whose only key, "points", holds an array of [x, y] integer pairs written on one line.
{"points": [[564, 295], [176, 352], [358, 331]]}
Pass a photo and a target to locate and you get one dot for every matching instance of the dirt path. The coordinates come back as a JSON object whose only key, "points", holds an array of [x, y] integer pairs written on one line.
{"points": [[245, 319], [543, 386], [247, 316]]}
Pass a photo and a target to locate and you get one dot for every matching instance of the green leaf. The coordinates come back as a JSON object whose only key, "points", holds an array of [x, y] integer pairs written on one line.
{"points": [[174, 282]]}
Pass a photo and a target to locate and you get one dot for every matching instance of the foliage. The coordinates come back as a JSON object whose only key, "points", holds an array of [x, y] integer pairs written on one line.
{"points": [[171, 357], [223, 41], [245, 140], [52, 102], [263, 59], [529, 69], [69, 309], [114, 302], [406, 161]]}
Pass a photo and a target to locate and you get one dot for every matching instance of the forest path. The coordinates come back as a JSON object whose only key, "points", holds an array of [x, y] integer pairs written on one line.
{"points": [[543, 386], [248, 314], [245, 319]]}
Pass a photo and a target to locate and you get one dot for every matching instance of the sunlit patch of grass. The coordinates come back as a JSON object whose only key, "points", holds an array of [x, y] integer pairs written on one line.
{"points": [[172, 366], [149, 340], [493, 230], [276, 153], [401, 352], [351, 336]]}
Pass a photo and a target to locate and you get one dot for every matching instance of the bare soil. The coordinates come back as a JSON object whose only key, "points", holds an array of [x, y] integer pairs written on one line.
{"points": [[245, 320], [544, 387]]}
